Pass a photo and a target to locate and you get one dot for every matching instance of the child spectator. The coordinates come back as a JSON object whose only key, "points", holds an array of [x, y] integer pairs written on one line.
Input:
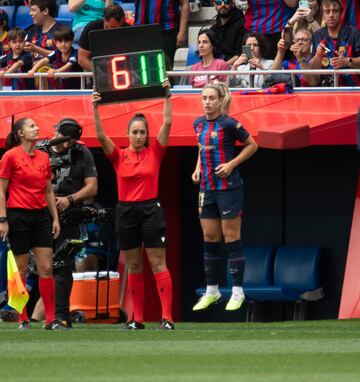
{"points": [[17, 61], [40, 36], [4, 39], [63, 59]]}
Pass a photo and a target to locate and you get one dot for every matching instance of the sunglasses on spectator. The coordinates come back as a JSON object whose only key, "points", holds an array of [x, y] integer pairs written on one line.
{"points": [[226, 2], [301, 40]]}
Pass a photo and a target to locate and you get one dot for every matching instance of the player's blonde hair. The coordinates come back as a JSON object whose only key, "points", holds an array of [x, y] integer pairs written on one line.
{"points": [[223, 93]]}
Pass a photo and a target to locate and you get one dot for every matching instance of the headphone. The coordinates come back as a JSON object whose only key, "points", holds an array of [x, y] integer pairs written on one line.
{"points": [[70, 123]]}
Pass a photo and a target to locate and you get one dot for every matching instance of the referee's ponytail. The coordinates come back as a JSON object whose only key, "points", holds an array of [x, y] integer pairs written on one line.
{"points": [[223, 93], [13, 139]]}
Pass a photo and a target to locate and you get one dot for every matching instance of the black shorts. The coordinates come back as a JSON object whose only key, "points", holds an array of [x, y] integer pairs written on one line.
{"points": [[221, 204], [140, 223], [29, 229]]}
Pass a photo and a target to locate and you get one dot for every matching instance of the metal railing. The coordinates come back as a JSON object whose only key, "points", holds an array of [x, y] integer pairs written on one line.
{"points": [[186, 73]]}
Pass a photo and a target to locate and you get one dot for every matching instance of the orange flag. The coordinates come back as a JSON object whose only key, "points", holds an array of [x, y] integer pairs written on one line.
{"points": [[18, 296]]}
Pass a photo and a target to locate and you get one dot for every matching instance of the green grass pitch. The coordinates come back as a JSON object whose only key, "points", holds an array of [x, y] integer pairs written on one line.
{"points": [[308, 351]]}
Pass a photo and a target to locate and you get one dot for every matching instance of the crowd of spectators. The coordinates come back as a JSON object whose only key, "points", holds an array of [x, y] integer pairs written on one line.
{"points": [[245, 35]]}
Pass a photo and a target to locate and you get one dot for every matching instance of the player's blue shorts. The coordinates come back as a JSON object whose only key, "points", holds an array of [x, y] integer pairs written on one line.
{"points": [[221, 204]]}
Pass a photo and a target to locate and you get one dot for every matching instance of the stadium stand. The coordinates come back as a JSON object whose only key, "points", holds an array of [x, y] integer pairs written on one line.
{"points": [[64, 15]]}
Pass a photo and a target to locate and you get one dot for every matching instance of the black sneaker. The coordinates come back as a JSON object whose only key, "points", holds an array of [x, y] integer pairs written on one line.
{"points": [[56, 325], [134, 325], [24, 325], [166, 325]]}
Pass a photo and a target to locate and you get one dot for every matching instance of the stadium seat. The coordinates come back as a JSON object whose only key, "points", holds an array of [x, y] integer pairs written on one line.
{"points": [[192, 58], [10, 10], [22, 17], [64, 16]]}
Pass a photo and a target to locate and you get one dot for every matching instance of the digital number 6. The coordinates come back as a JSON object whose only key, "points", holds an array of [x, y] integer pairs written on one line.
{"points": [[117, 75]]}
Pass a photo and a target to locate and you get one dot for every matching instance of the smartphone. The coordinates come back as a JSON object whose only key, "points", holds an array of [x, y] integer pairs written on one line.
{"points": [[247, 51], [304, 4], [287, 35]]}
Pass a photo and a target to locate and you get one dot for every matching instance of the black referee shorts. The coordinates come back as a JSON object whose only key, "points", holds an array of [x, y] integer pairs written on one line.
{"points": [[138, 223], [29, 229]]}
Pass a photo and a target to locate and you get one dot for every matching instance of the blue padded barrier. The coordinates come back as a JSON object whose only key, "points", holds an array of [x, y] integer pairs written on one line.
{"points": [[10, 10]]}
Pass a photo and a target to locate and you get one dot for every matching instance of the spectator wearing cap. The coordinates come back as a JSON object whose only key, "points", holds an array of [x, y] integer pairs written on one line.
{"points": [[4, 37]]}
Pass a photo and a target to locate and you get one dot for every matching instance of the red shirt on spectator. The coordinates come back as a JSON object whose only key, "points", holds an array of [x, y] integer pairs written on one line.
{"points": [[137, 173], [28, 176]]}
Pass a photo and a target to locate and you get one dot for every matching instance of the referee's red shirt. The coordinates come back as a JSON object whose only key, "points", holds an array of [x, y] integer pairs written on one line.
{"points": [[27, 175], [137, 173]]}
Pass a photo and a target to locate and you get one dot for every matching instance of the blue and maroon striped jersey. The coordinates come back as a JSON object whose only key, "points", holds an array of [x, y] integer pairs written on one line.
{"points": [[351, 14], [347, 44], [43, 40], [267, 16], [163, 12], [7, 60], [294, 64], [216, 141]]}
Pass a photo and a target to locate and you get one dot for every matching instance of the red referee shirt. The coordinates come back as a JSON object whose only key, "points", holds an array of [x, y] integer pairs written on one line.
{"points": [[137, 173], [27, 175]]}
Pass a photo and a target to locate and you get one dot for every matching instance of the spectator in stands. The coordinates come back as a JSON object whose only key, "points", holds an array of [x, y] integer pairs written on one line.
{"points": [[229, 29], [221, 191], [258, 45], [306, 18], [17, 61], [351, 14], [301, 49], [86, 11], [63, 59], [269, 18], [173, 16], [4, 38], [208, 51], [40, 36], [336, 46], [114, 17]]}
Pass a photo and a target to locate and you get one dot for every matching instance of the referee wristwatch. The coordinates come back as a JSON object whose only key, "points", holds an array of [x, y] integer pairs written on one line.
{"points": [[3, 219]]}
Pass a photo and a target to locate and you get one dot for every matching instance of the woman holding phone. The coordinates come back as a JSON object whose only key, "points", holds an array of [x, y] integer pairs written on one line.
{"points": [[252, 58]]}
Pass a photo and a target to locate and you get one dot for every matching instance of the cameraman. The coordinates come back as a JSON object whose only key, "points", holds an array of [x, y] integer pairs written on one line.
{"points": [[74, 182]]}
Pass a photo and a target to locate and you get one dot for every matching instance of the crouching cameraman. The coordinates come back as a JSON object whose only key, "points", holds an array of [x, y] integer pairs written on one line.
{"points": [[74, 181]]}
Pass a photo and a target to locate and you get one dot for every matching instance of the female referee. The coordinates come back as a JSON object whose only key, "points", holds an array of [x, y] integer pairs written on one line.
{"points": [[29, 217], [138, 215], [221, 191]]}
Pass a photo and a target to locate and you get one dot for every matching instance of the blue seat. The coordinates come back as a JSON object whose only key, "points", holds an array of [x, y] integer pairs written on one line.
{"points": [[10, 10], [296, 276], [64, 16], [192, 57], [22, 17]]}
